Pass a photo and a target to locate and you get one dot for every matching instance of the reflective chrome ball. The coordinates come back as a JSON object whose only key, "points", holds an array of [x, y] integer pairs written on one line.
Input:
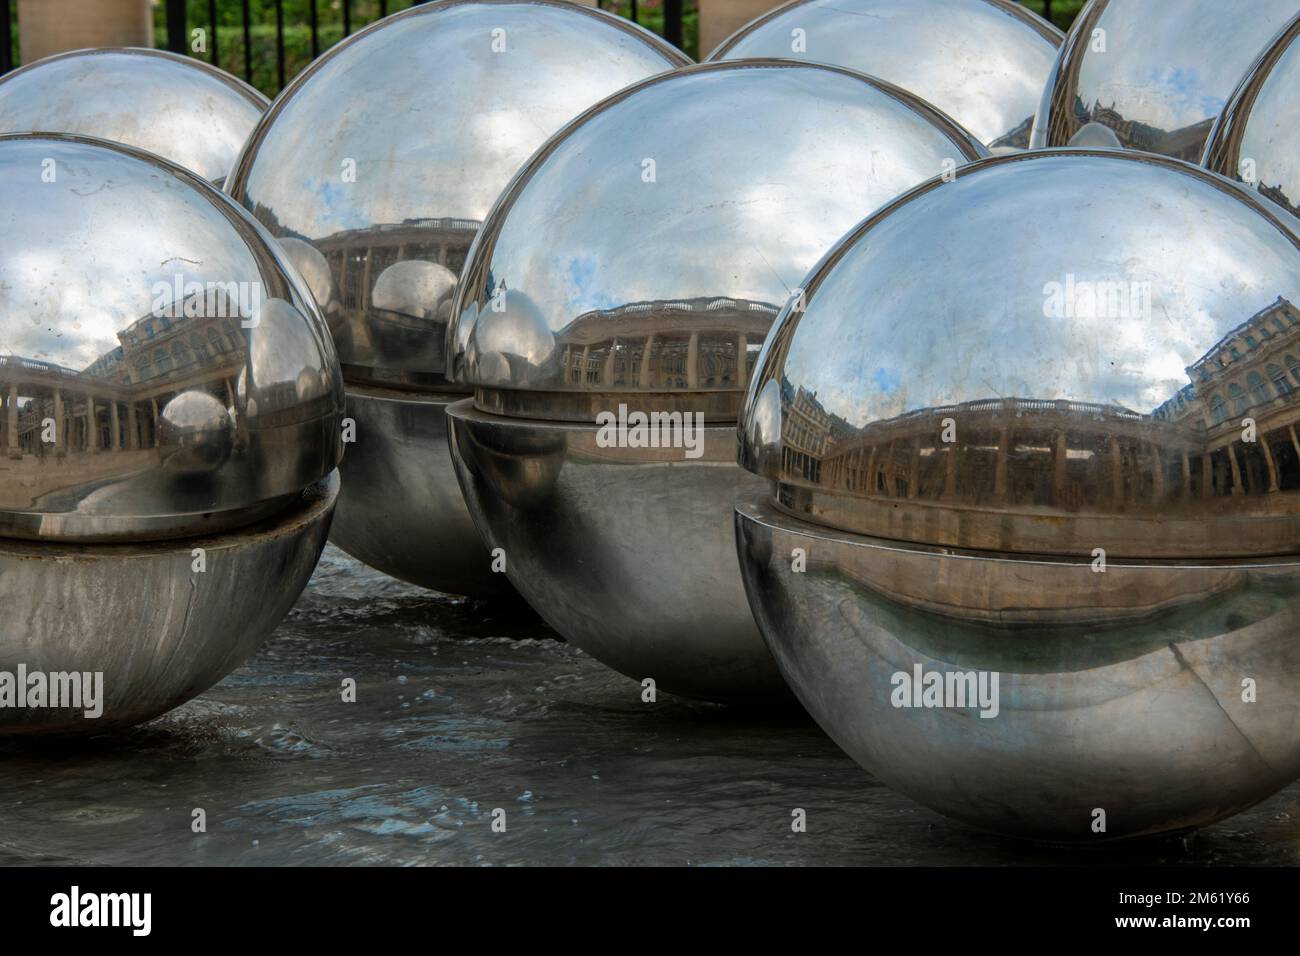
{"points": [[1157, 76], [195, 434], [384, 157], [165, 534], [983, 62], [179, 107], [609, 319], [1049, 503], [1257, 137]]}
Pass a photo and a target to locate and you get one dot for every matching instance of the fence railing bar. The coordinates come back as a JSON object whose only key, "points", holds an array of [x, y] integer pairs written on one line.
{"points": [[6, 41], [347, 18], [383, 8], [315, 28], [212, 29], [248, 42], [673, 22], [176, 26], [279, 42]]}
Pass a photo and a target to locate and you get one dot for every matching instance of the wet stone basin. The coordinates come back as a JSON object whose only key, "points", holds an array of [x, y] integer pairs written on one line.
{"points": [[462, 709]]}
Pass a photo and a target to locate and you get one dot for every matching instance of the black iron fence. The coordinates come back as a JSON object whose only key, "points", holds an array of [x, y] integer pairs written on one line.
{"points": [[269, 41]]}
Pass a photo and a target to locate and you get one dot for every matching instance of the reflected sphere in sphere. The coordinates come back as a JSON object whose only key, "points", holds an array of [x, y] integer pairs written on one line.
{"points": [[1052, 509], [195, 434]]}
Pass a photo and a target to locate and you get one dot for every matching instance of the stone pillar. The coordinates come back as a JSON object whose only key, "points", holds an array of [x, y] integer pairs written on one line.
{"points": [[914, 468], [693, 361], [1236, 470], [11, 428], [742, 360], [607, 372], [60, 440], [115, 440], [1187, 476], [132, 428], [1060, 455], [871, 473], [1000, 469], [1294, 442], [582, 367], [92, 425], [364, 304], [52, 26], [950, 471], [1116, 471], [153, 425], [721, 18], [647, 369], [1272, 465]]}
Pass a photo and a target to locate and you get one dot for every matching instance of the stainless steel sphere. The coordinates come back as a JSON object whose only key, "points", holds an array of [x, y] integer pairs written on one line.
{"points": [[1031, 547], [181, 108], [1156, 74], [1257, 137], [631, 271], [983, 62], [147, 532], [383, 157]]}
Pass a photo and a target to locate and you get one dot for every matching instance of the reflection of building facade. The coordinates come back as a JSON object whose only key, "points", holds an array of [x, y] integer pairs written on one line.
{"points": [[113, 404], [357, 257], [1276, 194], [1073, 456], [704, 343], [1186, 143], [805, 435], [1252, 372]]}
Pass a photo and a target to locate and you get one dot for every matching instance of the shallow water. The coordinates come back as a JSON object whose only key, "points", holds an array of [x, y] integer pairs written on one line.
{"points": [[462, 709]]}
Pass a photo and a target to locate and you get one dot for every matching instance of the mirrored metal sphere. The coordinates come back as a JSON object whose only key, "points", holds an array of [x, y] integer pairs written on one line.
{"points": [[136, 303], [729, 180], [983, 62], [383, 157], [1035, 430], [620, 289], [181, 108], [1257, 137], [1156, 74], [391, 148]]}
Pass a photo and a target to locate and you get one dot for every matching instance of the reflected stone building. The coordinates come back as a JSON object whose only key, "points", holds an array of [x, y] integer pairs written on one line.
{"points": [[1252, 372], [357, 257], [1186, 143], [104, 418], [708, 342], [386, 291], [1012, 458]]}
